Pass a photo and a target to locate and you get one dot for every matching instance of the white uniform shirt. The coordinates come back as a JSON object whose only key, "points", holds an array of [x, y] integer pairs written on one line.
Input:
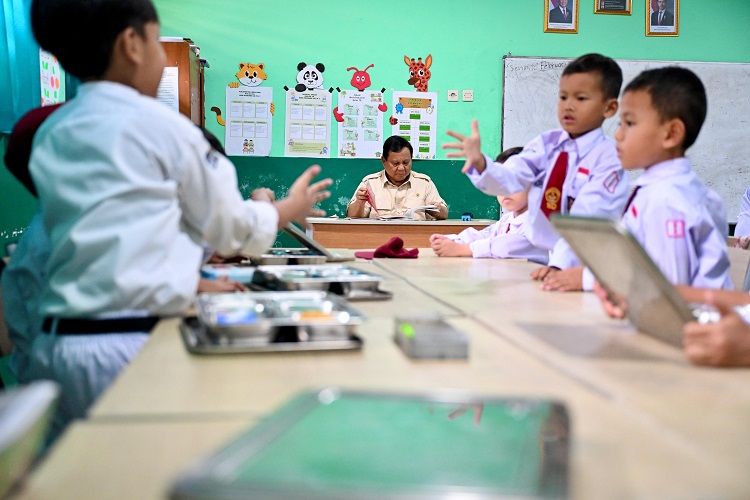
{"points": [[391, 200], [593, 185], [681, 224], [128, 190], [505, 239], [743, 219]]}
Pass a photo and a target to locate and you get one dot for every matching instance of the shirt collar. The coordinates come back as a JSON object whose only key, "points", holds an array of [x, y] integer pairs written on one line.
{"points": [[663, 170], [582, 145]]}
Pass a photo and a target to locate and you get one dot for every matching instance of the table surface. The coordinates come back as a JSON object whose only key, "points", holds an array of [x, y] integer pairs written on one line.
{"points": [[645, 423]]}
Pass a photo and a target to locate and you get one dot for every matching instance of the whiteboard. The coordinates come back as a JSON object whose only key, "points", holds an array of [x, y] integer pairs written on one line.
{"points": [[720, 156]]}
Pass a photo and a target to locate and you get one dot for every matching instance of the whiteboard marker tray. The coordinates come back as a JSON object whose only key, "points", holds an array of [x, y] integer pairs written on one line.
{"points": [[349, 282]]}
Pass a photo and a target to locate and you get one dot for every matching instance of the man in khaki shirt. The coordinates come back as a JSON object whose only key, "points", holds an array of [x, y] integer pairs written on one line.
{"points": [[396, 188]]}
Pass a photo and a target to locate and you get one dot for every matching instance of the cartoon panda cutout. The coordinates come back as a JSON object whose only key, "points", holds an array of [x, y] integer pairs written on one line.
{"points": [[309, 77]]}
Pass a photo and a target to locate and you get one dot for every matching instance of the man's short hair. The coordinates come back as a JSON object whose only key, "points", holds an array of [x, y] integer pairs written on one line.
{"points": [[675, 93], [394, 144], [607, 69], [81, 33]]}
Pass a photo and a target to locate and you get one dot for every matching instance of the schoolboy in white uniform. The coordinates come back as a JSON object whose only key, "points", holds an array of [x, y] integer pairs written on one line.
{"points": [[572, 170], [505, 239], [128, 191], [681, 223]]}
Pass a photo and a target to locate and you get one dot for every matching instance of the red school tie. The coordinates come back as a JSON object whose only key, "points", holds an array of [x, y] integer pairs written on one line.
{"points": [[552, 199]]}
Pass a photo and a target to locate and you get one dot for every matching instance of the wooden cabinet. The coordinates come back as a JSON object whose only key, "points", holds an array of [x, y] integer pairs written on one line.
{"points": [[184, 55]]}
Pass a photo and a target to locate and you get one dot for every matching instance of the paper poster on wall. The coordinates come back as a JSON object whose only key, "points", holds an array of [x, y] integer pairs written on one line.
{"points": [[249, 121], [168, 92], [308, 124], [51, 78], [360, 131], [415, 119]]}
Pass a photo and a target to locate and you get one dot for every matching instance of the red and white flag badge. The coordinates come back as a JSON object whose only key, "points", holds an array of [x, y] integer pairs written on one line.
{"points": [[583, 171], [675, 228], [611, 182]]}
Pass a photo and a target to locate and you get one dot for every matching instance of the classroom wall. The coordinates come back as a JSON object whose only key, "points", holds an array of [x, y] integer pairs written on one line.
{"points": [[467, 41]]}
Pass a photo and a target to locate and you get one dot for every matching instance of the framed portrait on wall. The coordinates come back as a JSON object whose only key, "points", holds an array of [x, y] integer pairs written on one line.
{"points": [[622, 7], [561, 16], [662, 17]]}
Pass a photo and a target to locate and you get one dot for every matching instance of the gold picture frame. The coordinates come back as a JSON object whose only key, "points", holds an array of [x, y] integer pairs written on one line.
{"points": [[667, 24], [618, 7], [561, 16]]}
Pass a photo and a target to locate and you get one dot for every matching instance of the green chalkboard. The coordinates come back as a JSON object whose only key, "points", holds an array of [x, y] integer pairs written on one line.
{"points": [[279, 173], [332, 444]]}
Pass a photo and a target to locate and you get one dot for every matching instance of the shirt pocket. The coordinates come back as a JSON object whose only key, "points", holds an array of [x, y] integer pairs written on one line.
{"points": [[580, 179]]}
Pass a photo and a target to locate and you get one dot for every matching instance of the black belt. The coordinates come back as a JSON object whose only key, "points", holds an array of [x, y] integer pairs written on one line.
{"points": [[73, 326]]}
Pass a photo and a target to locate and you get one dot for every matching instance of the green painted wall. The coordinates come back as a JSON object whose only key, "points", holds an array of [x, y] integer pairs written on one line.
{"points": [[467, 40]]}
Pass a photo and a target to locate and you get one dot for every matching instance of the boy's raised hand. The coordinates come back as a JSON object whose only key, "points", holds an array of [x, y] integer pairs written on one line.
{"points": [[469, 147], [302, 197]]}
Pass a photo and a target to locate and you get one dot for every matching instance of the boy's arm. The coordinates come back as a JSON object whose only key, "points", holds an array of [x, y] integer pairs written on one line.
{"points": [[516, 174], [213, 207], [508, 246]]}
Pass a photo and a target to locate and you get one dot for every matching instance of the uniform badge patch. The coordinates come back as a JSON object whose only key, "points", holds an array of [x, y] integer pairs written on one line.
{"points": [[552, 197], [611, 182], [675, 228]]}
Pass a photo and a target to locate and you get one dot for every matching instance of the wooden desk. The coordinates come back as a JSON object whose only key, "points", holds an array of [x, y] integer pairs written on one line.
{"points": [[646, 424], [371, 233]]}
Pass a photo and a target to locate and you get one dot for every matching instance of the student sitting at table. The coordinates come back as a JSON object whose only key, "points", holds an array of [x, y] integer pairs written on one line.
{"points": [[570, 170], [502, 240], [396, 188], [128, 191]]}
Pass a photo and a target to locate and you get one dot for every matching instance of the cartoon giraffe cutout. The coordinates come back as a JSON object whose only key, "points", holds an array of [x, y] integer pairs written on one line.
{"points": [[419, 72]]}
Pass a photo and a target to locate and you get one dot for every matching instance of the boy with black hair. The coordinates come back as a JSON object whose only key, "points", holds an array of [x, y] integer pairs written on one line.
{"points": [[128, 191], [571, 170], [680, 222]]}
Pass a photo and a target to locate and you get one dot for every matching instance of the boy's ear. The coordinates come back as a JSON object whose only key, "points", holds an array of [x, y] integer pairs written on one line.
{"points": [[674, 133], [130, 45], [610, 108]]}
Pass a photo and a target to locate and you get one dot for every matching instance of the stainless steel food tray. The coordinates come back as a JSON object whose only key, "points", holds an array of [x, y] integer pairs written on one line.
{"points": [[286, 256], [349, 282], [265, 316], [198, 341]]}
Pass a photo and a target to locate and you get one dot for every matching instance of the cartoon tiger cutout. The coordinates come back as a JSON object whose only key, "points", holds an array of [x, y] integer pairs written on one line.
{"points": [[249, 75]]}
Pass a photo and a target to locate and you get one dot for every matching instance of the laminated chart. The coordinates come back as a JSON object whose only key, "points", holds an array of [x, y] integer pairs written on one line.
{"points": [[360, 132], [249, 121], [415, 119], [308, 124]]}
